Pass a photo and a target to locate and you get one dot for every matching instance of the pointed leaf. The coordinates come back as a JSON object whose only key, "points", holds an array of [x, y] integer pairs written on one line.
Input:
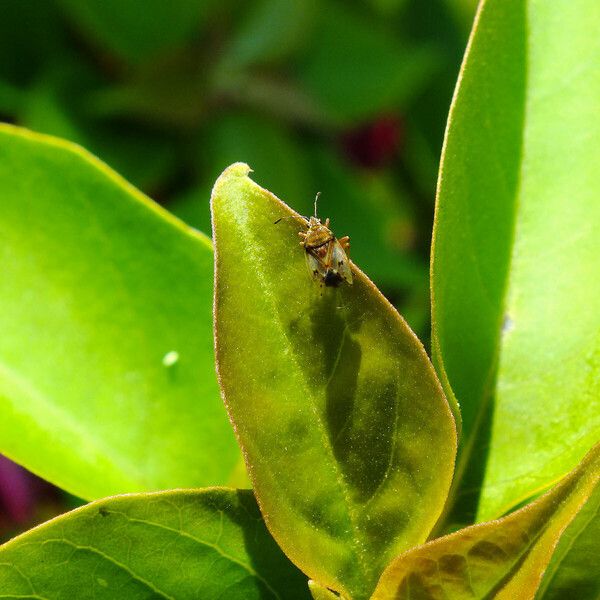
{"points": [[319, 592], [107, 378], [573, 571], [178, 545], [503, 559], [516, 308], [256, 140], [347, 435]]}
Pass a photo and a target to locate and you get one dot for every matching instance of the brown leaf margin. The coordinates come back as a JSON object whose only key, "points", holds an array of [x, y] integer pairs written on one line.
{"points": [[504, 559]]}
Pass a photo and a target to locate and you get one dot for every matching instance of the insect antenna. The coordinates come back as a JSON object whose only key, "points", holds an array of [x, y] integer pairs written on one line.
{"points": [[316, 200], [288, 217]]}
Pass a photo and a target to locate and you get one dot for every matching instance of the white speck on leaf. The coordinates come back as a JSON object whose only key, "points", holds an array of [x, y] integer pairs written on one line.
{"points": [[170, 358], [507, 324]]}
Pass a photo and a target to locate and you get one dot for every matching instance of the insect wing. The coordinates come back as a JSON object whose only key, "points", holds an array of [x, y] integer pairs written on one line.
{"points": [[340, 262], [315, 264]]}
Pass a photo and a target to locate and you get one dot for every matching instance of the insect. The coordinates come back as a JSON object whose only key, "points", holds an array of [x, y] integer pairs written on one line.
{"points": [[325, 254]]}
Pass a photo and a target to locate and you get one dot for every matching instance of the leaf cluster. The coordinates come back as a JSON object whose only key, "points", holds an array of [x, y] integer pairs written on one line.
{"points": [[375, 473]]}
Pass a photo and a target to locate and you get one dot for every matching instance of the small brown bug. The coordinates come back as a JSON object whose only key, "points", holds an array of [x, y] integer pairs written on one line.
{"points": [[325, 254]]}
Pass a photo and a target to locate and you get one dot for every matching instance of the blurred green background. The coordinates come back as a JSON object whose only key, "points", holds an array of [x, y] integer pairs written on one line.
{"points": [[344, 97]]}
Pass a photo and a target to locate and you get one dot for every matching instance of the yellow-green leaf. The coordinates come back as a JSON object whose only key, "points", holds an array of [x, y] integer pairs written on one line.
{"points": [[503, 559], [107, 380], [176, 545], [347, 435], [319, 592], [515, 264], [573, 571]]}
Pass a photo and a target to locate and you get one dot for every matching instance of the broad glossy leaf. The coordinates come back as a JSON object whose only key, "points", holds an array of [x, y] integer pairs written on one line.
{"points": [[516, 307], [178, 545], [502, 559], [348, 438], [107, 378]]}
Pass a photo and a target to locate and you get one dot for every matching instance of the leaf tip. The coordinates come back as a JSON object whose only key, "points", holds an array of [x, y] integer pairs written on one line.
{"points": [[238, 169]]}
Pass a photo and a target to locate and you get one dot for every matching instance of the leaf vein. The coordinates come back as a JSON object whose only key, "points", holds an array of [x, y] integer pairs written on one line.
{"points": [[113, 561], [207, 544]]}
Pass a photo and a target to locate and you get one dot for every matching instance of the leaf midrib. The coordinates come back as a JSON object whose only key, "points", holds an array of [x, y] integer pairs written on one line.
{"points": [[257, 258]]}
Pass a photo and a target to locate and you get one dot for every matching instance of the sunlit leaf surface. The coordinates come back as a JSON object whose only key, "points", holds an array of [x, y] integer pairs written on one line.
{"points": [[98, 287], [516, 307], [502, 559], [319, 592], [175, 545], [348, 438], [573, 571]]}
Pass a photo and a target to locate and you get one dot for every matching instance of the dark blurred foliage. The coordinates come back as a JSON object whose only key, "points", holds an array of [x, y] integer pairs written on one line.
{"points": [[344, 97]]}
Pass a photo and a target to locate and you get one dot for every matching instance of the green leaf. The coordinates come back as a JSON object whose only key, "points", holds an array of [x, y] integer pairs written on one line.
{"points": [[573, 571], [168, 95], [319, 592], [135, 32], [348, 438], [502, 559], [52, 106], [107, 378], [257, 141], [10, 98], [357, 69], [178, 545], [271, 31], [31, 35], [264, 143], [516, 308]]}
